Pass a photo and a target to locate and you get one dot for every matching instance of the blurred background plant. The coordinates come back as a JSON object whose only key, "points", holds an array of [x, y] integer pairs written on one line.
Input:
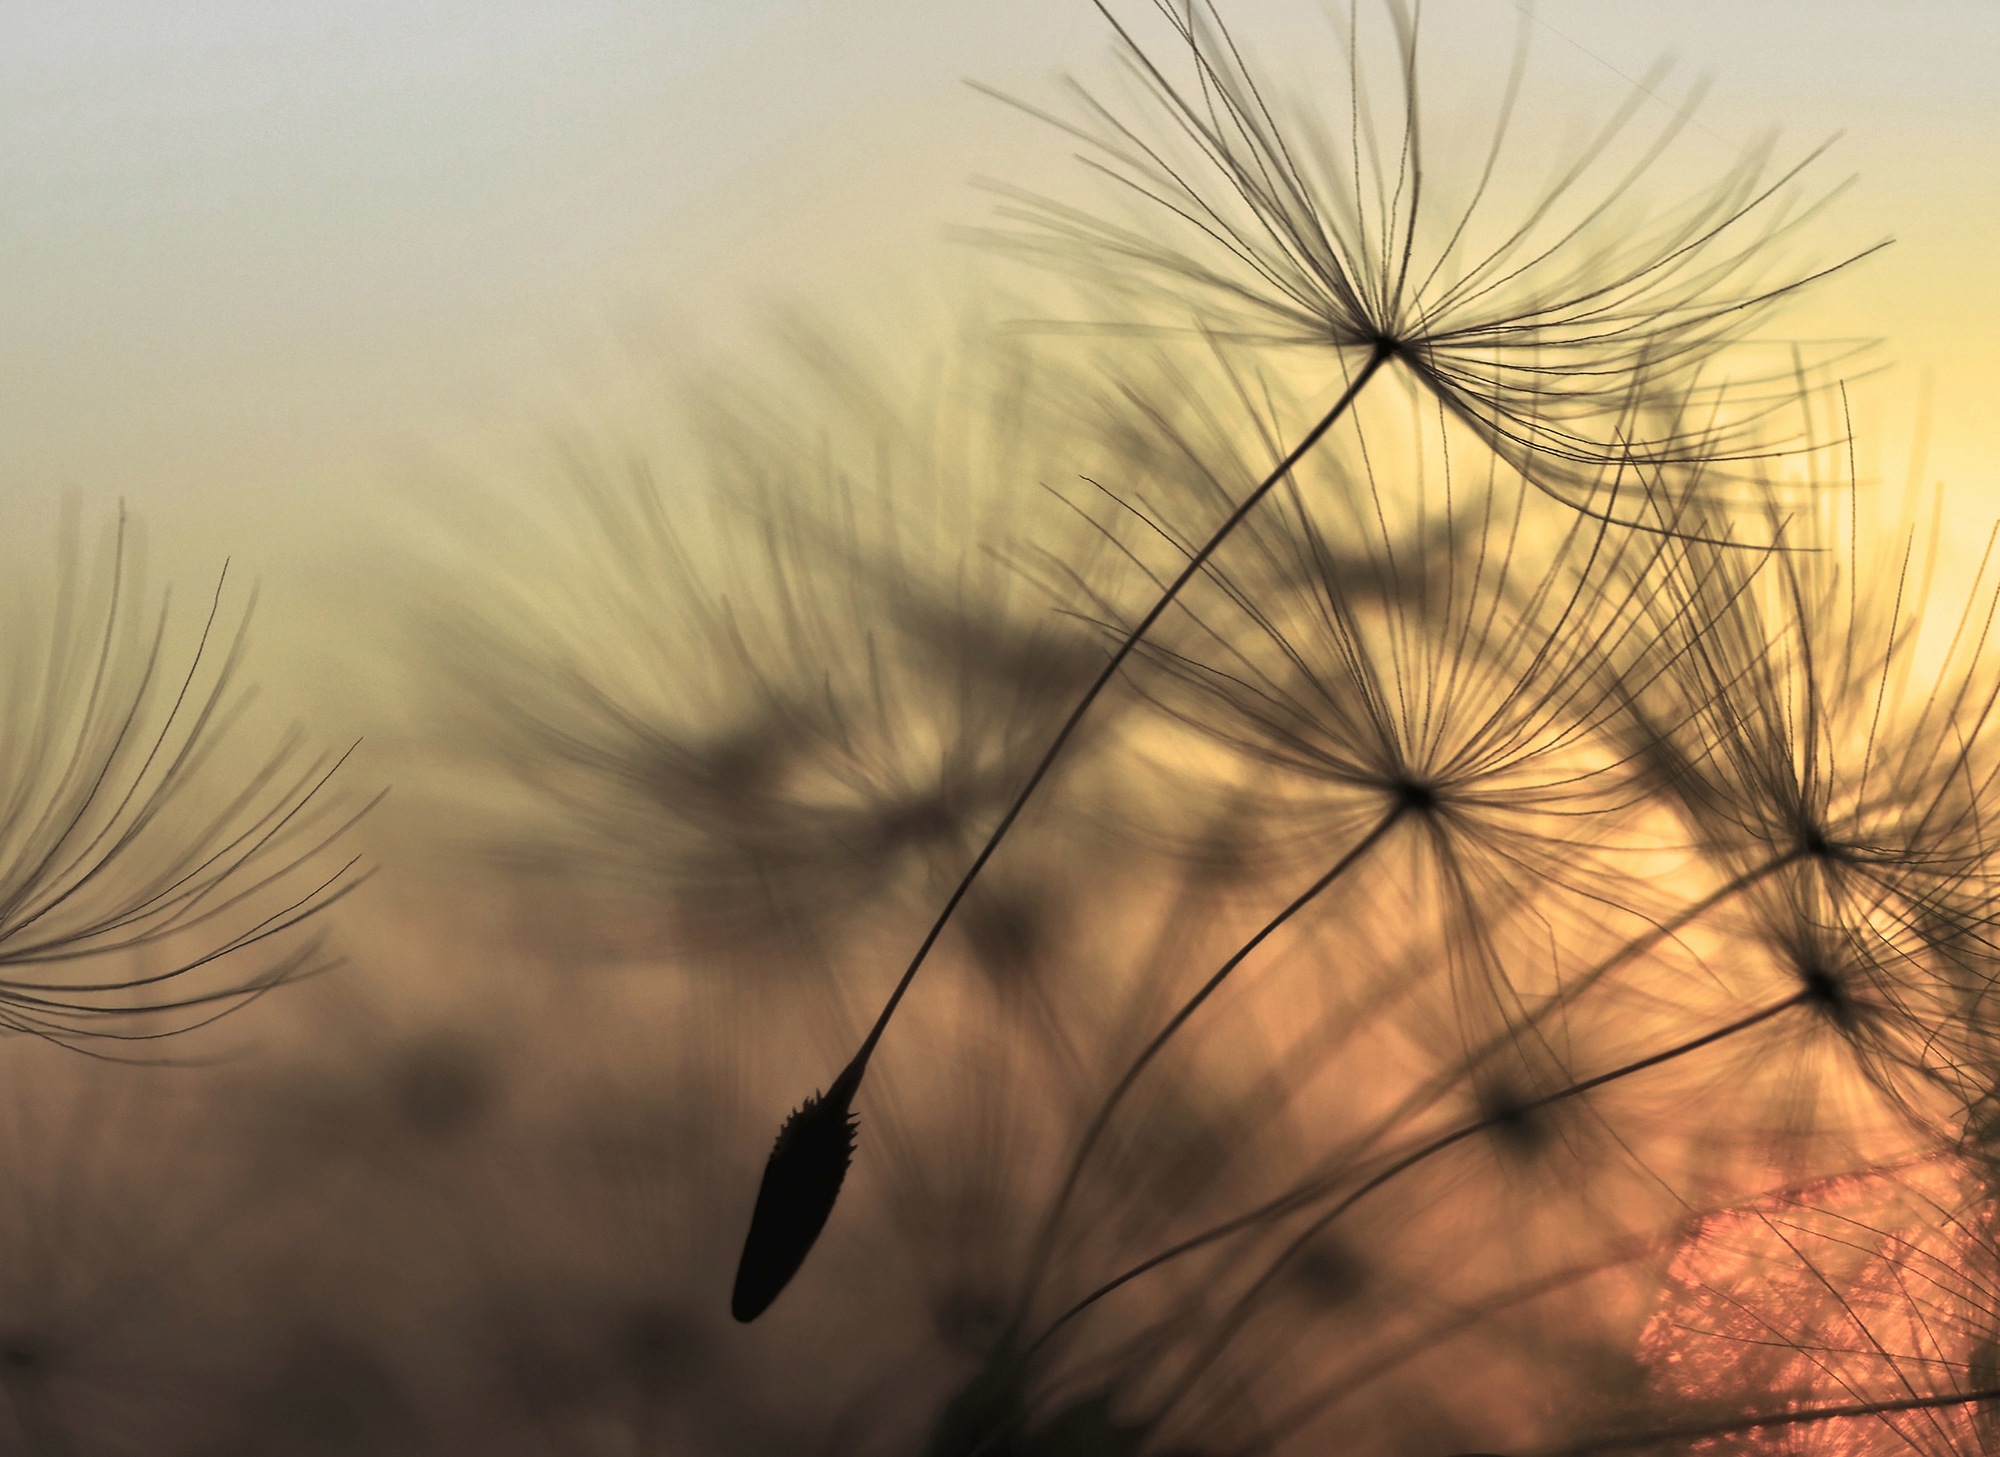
{"points": [[1504, 966]]}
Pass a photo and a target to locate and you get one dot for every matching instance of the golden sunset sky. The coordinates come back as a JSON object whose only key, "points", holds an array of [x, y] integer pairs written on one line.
{"points": [[266, 263]]}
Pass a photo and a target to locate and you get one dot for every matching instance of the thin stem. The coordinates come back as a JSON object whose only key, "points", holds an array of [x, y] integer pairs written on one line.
{"points": [[1195, 563], [1297, 1197], [1848, 1410], [809, 1161], [1045, 1237], [1436, 1146], [1239, 1312]]}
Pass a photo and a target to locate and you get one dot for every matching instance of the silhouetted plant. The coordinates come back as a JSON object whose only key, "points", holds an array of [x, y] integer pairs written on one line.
{"points": [[149, 880], [1841, 788], [1548, 358], [1327, 227], [1533, 833], [783, 696]]}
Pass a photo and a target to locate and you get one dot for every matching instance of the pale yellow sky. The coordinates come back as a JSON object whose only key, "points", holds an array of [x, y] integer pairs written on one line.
{"points": [[265, 260]]}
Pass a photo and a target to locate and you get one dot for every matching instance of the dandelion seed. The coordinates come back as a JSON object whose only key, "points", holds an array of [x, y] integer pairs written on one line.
{"points": [[793, 698], [1839, 789], [801, 1183], [1536, 330]]}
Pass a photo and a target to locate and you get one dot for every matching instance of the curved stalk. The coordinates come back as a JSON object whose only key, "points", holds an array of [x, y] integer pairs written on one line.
{"points": [[1195, 563], [1298, 1197], [1045, 1236], [1239, 1312], [767, 1266]]}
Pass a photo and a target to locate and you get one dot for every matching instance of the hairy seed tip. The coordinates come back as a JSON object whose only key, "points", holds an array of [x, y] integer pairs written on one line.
{"points": [[801, 1182]]}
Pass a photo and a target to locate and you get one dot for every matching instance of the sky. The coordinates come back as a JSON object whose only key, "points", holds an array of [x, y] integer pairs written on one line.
{"points": [[267, 263]]}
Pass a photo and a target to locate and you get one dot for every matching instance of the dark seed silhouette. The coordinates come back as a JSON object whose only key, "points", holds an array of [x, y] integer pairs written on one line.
{"points": [[801, 1181]]}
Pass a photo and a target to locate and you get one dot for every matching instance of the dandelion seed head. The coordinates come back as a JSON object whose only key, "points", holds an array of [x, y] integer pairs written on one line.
{"points": [[1823, 990], [1520, 1126], [1333, 227], [1414, 795], [782, 694]]}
